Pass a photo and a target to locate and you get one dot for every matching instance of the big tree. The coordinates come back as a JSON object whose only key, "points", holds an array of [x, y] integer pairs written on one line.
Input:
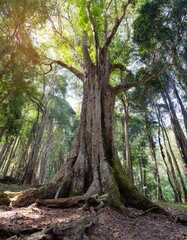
{"points": [[94, 43]]}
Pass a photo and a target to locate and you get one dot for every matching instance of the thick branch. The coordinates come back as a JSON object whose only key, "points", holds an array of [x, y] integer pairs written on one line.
{"points": [[88, 61], [76, 72], [118, 66], [37, 102], [126, 86], [70, 42], [95, 34], [117, 24]]}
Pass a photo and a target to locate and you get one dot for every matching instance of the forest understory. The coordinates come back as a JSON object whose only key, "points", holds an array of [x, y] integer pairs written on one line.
{"points": [[39, 222]]}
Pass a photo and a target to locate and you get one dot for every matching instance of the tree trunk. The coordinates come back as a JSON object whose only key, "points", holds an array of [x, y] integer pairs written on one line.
{"points": [[175, 163], [143, 174], [183, 110], [93, 166], [127, 141], [29, 177], [180, 68], [24, 156], [165, 162], [11, 156], [154, 159], [178, 192], [43, 158], [179, 134], [3, 152]]}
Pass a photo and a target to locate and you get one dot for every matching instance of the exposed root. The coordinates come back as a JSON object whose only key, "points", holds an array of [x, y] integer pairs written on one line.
{"points": [[76, 230], [80, 229], [159, 210], [23, 198], [61, 202]]}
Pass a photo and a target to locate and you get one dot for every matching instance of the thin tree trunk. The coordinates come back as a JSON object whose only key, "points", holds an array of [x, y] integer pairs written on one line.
{"points": [[143, 174], [176, 183], [179, 68], [23, 159], [43, 158], [183, 110], [2, 133], [3, 152], [141, 184], [178, 132], [123, 140], [165, 162], [175, 163], [127, 141], [5, 155], [161, 124], [29, 177], [10, 156], [154, 159]]}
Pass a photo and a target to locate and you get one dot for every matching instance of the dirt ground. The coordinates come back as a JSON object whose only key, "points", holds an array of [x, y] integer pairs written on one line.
{"points": [[28, 222]]}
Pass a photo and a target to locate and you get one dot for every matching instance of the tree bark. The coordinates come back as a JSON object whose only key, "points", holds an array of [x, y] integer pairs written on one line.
{"points": [[127, 141], [10, 155], [93, 166], [154, 159], [25, 155], [165, 162], [178, 132], [183, 110], [29, 177], [175, 162], [43, 158], [143, 173], [178, 192]]}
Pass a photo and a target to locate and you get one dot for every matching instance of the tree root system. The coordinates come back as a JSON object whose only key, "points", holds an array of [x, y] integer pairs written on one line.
{"points": [[39, 222]]}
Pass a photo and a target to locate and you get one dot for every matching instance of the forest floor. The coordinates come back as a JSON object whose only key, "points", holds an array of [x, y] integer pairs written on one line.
{"points": [[34, 223]]}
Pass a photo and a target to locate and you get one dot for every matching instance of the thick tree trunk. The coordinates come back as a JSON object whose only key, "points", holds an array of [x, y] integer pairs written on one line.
{"points": [[93, 166]]}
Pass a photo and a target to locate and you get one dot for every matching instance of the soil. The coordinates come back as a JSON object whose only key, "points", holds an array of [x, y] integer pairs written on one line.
{"points": [[28, 223]]}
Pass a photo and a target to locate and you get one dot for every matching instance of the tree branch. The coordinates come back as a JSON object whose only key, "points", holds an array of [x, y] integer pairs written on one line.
{"points": [[93, 26], [37, 102], [117, 53], [126, 86], [87, 59], [76, 72], [117, 24], [118, 66]]}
